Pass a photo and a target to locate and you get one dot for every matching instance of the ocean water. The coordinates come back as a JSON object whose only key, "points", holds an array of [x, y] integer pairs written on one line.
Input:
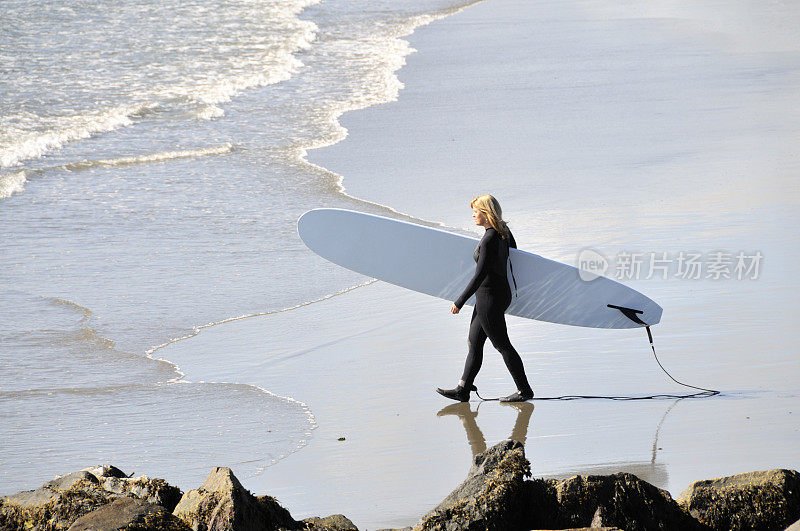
{"points": [[151, 173]]}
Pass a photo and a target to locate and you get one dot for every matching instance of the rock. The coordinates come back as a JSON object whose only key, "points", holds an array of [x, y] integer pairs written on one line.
{"points": [[495, 495], [754, 500], [335, 522], [62, 483], [129, 514], [58, 503], [222, 504], [492, 496], [153, 490], [618, 500]]}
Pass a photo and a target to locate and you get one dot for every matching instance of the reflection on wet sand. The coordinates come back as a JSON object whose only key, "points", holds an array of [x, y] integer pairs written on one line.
{"points": [[650, 471], [475, 438]]}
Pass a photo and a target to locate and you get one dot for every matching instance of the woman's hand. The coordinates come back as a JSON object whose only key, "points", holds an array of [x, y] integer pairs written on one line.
{"points": [[454, 309]]}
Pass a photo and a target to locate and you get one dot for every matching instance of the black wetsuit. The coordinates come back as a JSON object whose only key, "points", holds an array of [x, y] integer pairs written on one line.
{"points": [[492, 298]]}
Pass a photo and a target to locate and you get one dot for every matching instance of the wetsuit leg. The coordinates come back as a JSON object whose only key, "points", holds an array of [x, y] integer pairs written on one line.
{"points": [[476, 340], [491, 314]]}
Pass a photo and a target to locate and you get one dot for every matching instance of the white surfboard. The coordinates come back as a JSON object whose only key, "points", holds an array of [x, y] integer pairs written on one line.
{"points": [[440, 263]]}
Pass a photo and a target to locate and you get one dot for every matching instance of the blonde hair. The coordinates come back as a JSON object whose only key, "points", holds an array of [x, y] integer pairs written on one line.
{"points": [[494, 214]]}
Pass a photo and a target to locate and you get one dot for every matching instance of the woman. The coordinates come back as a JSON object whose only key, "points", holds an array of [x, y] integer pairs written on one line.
{"points": [[492, 297]]}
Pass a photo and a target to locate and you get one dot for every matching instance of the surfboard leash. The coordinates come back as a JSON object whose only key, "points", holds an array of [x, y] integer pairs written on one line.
{"points": [[702, 392]]}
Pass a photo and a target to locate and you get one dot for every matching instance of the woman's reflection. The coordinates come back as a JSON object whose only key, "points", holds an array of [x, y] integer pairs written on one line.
{"points": [[477, 442]]}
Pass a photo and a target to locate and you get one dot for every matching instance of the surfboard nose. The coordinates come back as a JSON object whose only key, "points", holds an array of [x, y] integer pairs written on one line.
{"points": [[305, 228]]}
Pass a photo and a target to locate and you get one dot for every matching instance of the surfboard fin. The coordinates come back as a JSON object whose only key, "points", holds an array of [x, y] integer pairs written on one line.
{"points": [[630, 313]]}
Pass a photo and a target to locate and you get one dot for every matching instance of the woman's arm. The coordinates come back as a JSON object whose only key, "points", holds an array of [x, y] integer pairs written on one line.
{"points": [[481, 269]]}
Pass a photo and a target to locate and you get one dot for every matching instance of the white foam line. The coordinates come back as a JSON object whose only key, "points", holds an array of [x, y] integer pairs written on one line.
{"points": [[86, 315], [196, 330], [14, 182], [391, 95], [222, 92], [341, 190], [37, 144], [154, 157]]}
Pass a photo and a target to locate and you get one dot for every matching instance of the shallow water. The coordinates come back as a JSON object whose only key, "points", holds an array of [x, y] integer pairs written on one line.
{"points": [[151, 175]]}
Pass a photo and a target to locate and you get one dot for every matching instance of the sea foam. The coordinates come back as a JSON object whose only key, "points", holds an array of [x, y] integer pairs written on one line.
{"points": [[12, 183], [33, 145], [152, 157]]}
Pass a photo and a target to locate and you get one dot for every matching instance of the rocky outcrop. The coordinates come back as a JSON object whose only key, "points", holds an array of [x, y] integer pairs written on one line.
{"points": [[104, 498], [492, 496], [496, 495], [222, 504], [755, 500], [58, 503], [129, 514], [618, 500]]}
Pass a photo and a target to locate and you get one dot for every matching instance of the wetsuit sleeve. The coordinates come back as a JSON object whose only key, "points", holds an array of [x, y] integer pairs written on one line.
{"points": [[511, 241], [481, 270]]}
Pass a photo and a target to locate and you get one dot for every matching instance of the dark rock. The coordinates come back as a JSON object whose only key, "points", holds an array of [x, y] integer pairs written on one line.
{"points": [[58, 503], [129, 514], [492, 496], [753, 500], [335, 522], [276, 513], [619, 500], [541, 504], [222, 504]]}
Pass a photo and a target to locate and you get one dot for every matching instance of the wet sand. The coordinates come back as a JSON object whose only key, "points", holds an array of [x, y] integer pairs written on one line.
{"points": [[644, 161]]}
